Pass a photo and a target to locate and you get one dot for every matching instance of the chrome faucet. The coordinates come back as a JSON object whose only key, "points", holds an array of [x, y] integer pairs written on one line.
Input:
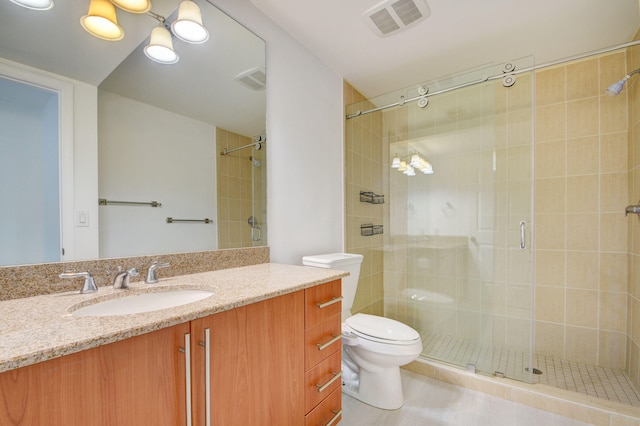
{"points": [[151, 273], [121, 280], [89, 285]]}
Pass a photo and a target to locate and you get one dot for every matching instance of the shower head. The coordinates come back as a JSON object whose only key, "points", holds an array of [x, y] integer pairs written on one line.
{"points": [[616, 88], [254, 161]]}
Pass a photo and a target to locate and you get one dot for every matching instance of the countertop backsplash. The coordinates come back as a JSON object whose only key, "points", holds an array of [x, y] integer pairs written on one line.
{"points": [[33, 280]]}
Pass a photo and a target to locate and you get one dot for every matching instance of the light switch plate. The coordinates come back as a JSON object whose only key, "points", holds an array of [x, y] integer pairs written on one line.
{"points": [[82, 218]]}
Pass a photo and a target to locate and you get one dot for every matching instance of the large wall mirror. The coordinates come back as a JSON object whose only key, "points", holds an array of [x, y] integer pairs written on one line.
{"points": [[105, 153]]}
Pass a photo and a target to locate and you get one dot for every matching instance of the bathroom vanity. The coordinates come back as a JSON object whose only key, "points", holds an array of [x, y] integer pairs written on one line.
{"points": [[261, 353]]}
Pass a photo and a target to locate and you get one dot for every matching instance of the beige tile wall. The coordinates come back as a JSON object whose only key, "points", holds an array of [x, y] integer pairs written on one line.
{"points": [[363, 172], [633, 221], [580, 192], [583, 282], [234, 180]]}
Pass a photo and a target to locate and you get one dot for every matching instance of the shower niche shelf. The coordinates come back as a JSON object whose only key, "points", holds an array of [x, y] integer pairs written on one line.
{"points": [[369, 229], [371, 197]]}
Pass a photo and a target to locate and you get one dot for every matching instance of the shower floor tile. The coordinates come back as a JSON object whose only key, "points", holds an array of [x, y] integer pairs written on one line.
{"points": [[599, 382]]}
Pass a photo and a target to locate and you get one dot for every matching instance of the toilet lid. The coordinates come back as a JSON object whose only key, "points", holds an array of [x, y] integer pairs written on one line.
{"points": [[381, 328]]}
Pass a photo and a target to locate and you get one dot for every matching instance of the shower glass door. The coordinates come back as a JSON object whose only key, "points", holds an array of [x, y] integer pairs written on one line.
{"points": [[462, 265], [259, 195]]}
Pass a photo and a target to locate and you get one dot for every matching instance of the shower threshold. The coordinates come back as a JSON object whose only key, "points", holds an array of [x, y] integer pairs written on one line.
{"points": [[598, 382]]}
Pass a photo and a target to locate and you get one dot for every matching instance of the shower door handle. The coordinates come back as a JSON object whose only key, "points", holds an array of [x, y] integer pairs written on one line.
{"points": [[523, 240]]}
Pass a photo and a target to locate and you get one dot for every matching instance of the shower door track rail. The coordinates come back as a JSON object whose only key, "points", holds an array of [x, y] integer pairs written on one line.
{"points": [[259, 140], [497, 77]]}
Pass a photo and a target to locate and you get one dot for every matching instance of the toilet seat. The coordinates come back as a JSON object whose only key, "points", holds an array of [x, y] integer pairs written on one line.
{"points": [[382, 330]]}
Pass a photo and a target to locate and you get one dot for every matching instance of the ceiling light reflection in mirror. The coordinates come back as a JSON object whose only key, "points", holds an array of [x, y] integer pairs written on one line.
{"points": [[101, 21]]}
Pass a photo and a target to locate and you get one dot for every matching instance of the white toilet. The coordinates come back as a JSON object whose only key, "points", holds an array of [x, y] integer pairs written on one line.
{"points": [[374, 347]]}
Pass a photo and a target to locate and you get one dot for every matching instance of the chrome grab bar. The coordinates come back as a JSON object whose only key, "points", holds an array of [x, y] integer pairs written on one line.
{"points": [[205, 220], [335, 377], [523, 242], [330, 302], [105, 202], [324, 346]]}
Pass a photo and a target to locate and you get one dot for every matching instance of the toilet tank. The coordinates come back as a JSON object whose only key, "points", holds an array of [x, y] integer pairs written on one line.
{"points": [[341, 262]]}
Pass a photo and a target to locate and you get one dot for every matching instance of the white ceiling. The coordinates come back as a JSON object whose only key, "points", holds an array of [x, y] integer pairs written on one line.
{"points": [[459, 35]]}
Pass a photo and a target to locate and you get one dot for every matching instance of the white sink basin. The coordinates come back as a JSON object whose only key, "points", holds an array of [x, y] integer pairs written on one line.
{"points": [[143, 302]]}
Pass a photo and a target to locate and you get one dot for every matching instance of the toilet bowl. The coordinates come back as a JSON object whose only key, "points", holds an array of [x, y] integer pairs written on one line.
{"points": [[374, 347]]}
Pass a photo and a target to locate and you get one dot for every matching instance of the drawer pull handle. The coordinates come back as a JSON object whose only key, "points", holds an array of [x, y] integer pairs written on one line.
{"points": [[330, 302], [335, 377], [329, 343], [337, 413]]}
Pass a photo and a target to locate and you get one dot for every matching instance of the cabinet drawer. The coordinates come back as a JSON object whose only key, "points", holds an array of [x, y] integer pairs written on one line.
{"points": [[322, 302], [322, 341], [321, 380], [328, 412]]}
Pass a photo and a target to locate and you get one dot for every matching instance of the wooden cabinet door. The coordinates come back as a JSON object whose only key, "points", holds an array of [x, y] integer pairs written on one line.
{"points": [[137, 381], [256, 364]]}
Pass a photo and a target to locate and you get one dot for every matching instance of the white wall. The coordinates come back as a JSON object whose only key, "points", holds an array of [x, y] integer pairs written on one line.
{"points": [[304, 146], [150, 154], [85, 171]]}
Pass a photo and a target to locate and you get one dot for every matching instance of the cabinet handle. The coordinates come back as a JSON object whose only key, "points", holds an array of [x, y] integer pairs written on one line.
{"points": [[330, 302], [337, 413], [207, 372], [187, 364], [335, 377], [324, 346]]}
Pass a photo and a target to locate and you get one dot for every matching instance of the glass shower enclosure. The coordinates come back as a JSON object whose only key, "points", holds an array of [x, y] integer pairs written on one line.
{"points": [[458, 257]]}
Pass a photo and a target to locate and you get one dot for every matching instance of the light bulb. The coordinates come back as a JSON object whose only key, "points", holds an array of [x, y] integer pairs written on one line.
{"points": [[133, 6], [101, 21], [35, 4], [188, 27], [160, 47]]}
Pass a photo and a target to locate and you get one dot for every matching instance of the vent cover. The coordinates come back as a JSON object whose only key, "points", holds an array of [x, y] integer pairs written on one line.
{"points": [[255, 78], [392, 16]]}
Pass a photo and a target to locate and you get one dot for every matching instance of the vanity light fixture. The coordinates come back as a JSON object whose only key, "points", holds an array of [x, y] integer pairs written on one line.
{"points": [[188, 27], [160, 47], [101, 21], [133, 6], [34, 4]]}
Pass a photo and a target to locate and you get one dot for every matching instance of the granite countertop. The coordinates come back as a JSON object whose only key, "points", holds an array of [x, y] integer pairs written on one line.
{"points": [[39, 328]]}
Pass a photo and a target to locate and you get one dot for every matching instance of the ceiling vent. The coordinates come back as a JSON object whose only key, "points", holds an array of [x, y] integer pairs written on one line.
{"points": [[392, 16], [255, 78]]}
